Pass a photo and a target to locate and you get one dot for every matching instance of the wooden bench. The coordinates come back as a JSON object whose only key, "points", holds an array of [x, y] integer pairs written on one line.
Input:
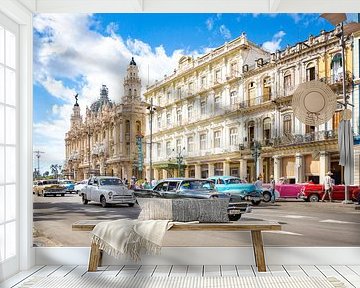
{"points": [[254, 227]]}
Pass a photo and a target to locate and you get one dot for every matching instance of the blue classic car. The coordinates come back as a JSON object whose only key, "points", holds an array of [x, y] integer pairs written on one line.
{"points": [[69, 185], [193, 188], [237, 188]]}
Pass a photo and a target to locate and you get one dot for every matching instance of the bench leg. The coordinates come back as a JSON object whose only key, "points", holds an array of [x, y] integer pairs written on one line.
{"points": [[258, 247], [95, 257]]}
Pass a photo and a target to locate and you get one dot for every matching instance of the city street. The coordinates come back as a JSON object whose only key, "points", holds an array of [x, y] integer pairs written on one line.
{"points": [[303, 224]]}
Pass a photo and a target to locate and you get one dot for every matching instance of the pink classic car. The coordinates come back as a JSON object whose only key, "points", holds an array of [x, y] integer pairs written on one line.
{"points": [[283, 191]]}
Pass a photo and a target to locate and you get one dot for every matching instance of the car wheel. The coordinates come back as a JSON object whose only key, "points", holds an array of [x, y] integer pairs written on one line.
{"points": [[235, 217], [62, 194], [255, 203], [84, 200], [131, 204], [267, 196], [313, 198], [103, 202]]}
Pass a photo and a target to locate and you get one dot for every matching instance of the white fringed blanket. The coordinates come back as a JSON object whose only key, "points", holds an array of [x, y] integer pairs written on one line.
{"points": [[129, 238]]}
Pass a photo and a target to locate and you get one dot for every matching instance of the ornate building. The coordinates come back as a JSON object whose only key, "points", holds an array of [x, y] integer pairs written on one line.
{"points": [[108, 141], [229, 112]]}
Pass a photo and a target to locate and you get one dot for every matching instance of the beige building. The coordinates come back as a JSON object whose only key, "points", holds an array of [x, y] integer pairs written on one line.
{"points": [[217, 112], [104, 141]]}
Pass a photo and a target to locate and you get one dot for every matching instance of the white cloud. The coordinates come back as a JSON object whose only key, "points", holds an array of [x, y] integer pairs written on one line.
{"points": [[225, 32], [274, 44], [210, 23], [71, 58]]}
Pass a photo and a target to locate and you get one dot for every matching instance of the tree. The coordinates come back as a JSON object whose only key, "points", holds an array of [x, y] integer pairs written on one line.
{"points": [[46, 174]]}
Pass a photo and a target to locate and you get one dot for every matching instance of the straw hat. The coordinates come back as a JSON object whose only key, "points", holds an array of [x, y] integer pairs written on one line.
{"points": [[329, 173], [314, 103]]}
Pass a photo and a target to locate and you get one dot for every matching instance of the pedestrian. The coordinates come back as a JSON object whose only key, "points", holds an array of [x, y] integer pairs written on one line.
{"points": [[328, 186], [258, 183], [146, 184], [272, 188], [153, 183]]}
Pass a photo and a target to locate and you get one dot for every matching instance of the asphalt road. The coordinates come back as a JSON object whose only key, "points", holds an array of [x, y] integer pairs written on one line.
{"points": [[303, 224]]}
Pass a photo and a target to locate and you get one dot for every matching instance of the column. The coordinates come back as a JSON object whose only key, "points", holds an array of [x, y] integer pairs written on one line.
{"points": [[243, 169], [187, 172], [299, 168], [259, 167], [197, 171], [277, 167], [102, 168], [156, 174], [211, 169], [165, 173], [226, 167], [147, 174], [324, 165]]}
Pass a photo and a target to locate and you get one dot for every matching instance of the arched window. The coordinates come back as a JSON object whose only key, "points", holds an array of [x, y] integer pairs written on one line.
{"points": [[251, 93], [266, 88], [310, 72], [336, 68], [266, 129], [287, 127]]}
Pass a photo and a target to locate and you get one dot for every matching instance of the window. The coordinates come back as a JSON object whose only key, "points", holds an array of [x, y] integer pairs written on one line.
{"points": [[190, 144], [251, 131], [266, 89], [190, 112], [309, 129], [178, 145], [168, 148], [233, 97], [127, 128], [217, 101], [191, 88], [8, 143], [233, 136], [203, 81], [218, 170], [287, 124], [251, 93], [158, 148], [168, 96], [168, 119], [267, 128], [202, 141], [233, 70], [310, 72], [203, 107], [178, 116], [178, 93], [218, 76], [159, 121], [336, 68], [217, 139], [287, 81]]}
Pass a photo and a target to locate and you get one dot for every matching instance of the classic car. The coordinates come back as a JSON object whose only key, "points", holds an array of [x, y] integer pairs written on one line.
{"points": [[314, 192], [107, 190], [283, 191], [69, 185], [194, 188], [237, 188], [80, 185], [49, 187]]}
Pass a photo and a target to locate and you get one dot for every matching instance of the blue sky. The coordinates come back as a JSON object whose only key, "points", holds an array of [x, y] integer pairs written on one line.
{"points": [[77, 53]]}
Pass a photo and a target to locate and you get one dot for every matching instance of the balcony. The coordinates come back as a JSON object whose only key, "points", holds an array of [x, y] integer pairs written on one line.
{"points": [[296, 139], [254, 101]]}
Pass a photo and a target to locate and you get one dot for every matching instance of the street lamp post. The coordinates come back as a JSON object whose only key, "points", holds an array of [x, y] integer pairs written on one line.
{"points": [[152, 110], [256, 152], [179, 160]]}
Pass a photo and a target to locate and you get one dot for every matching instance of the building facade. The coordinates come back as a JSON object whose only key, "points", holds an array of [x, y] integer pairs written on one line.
{"points": [[108, 139], [229, 112], [356, 102]]}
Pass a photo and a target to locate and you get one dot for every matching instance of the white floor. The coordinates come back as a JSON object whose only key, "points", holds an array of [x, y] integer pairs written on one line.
{"points": [[348, 274]]}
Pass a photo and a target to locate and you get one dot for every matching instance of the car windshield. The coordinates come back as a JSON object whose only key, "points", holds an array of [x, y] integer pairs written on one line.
{"points": [[197, 185], [110, 181], [68, 182], [233, 181]]}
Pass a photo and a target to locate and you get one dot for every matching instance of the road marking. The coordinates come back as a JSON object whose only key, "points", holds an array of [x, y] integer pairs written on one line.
{"points": [[284, 232], [337, 221], [298, 217]]}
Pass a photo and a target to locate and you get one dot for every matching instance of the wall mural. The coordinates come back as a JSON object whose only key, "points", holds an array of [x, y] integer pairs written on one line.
{"points": [[123, 102]]}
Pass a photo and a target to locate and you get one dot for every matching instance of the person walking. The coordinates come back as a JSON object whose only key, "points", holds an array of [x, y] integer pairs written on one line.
{"points": [[328, 186], [258, 183], [272, 188]]}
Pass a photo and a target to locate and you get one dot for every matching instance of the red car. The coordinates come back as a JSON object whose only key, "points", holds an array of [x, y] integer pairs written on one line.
{"points": [[283, 191], [314, 192]]}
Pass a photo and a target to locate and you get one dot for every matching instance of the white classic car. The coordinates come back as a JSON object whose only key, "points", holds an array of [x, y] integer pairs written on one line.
{"points": [[107, 190]]}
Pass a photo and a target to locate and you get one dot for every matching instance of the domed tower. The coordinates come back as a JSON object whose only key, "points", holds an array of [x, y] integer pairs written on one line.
{"points": [[132, 84], [76, 117]]}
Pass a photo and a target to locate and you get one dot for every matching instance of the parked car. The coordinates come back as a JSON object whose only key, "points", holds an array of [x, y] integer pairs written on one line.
{"points": [[69, 185], [237, 188], [194, 188], [314, 192], [283, 191], [49, 187], [80, 185], [107, 190]]}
